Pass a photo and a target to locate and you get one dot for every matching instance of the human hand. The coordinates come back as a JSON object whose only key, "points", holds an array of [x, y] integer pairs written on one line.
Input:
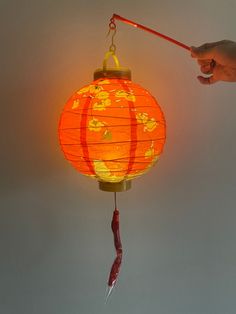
{"points": [[217, 59]]}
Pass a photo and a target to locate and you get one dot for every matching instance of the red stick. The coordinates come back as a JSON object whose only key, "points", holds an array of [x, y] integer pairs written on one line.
{"points": [[172, 40]]}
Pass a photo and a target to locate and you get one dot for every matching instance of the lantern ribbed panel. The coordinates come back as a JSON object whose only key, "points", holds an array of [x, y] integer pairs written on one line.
{"points": [[112, 130]]}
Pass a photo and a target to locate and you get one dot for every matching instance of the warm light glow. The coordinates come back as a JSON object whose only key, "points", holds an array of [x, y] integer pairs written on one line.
{"points": [[112, 130]]}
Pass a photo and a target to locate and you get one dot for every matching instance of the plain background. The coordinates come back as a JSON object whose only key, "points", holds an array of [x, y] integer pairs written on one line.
{"points": [[178, 222]]}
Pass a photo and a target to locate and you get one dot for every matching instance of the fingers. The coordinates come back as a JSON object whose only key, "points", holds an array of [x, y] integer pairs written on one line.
{"points": [[204, 62], [204, 52], [207, 51], [205, 55], [210, 57], [208, 67], [207, 80]]}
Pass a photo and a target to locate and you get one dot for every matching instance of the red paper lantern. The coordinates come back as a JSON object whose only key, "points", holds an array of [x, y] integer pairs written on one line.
{"points": [[112, 130]]}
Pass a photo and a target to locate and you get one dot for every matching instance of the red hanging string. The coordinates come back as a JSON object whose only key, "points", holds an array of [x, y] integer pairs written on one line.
{"points": [[172, 40]]}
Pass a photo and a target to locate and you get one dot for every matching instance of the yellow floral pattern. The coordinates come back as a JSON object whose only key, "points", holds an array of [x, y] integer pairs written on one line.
{"points": [[127, 95], [149, 123], [104, 82], [93, 89], [102, 104], [75, 104], [83, 90], [131, 97], [142, 117], [102, 95], [104, 173], [149, 153], [95, 125]]}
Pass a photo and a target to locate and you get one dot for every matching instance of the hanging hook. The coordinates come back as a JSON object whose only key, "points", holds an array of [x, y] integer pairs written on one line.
{"points": [[112, 28]]}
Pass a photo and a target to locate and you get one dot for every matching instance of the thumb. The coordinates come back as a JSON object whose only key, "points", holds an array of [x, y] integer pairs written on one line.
{"points": [[205, 51]]}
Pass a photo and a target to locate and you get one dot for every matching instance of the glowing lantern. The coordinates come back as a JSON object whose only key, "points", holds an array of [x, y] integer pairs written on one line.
{"points": [[112, 130]]}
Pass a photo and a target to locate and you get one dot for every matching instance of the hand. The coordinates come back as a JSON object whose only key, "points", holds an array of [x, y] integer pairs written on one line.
{"points": [[217, 59]]}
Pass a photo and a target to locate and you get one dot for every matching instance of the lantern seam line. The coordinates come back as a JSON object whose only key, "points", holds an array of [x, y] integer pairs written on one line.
{"points": [[108, 143], [108, 126], [115, 171], [137, 162], [115, 159], [110, 107], [101, 116]]}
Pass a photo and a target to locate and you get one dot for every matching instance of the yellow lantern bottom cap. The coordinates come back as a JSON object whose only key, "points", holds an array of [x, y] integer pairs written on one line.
{"points": [[122, 73], [115, 186]]}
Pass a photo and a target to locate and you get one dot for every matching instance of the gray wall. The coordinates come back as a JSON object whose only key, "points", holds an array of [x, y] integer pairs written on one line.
{"points": [[178, 222]]}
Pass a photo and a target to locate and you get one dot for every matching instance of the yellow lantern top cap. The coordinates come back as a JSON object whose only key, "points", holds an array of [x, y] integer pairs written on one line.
{"points": [[122, 73]]}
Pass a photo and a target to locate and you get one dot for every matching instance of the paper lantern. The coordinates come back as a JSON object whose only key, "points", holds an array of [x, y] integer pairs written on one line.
{"points": [[112, 130]]}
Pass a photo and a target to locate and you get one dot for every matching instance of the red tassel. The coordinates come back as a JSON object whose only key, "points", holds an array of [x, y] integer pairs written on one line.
{"points": [[115, 269]]}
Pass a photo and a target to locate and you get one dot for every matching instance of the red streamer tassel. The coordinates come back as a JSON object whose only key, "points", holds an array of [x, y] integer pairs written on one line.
{"points": [[115, 269]]}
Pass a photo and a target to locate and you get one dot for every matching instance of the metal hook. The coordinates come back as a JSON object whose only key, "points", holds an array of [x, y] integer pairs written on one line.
{"points": [[112, 28]]}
